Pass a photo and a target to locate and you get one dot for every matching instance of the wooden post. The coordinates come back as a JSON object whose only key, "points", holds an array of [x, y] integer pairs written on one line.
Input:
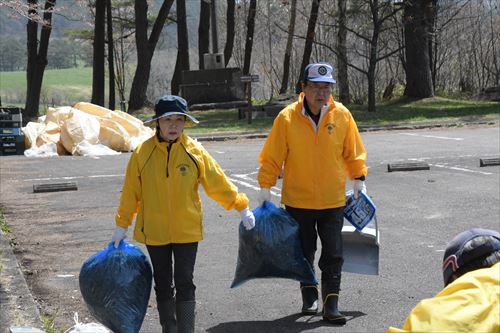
{"points": [[248, 79]]}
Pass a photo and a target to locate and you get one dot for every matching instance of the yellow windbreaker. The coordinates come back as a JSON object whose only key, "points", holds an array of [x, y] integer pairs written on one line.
{"points": [[315, 162], [161, 191], [469, 304]]}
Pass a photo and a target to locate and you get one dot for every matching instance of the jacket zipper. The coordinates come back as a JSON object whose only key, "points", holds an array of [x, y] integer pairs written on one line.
{"points": [[168, 155]]}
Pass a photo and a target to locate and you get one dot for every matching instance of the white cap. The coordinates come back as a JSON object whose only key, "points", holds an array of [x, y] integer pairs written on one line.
{"points": [[320, 72]]}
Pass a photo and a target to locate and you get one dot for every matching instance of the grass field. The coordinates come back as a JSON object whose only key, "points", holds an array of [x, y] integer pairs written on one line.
{"points": [[69, 86], [60, 87], [395, 112]]}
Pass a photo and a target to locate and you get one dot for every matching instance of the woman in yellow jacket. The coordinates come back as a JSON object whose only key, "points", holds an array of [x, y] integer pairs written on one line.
{"points": [[316, 142], [470, 301], [161, 193]]}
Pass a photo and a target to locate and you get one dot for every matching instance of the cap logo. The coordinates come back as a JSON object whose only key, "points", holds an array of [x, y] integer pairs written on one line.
{"points": [[322, 70], [451, 260]]}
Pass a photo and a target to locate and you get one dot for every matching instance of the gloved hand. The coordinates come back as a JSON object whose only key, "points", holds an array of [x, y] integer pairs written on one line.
{"points": [[247, 218], [264, 195], [119, 234], [358, 186]]}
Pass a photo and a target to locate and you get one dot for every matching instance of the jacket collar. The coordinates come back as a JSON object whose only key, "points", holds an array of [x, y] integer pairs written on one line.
{"points": [[163, 144], [324, 109]]}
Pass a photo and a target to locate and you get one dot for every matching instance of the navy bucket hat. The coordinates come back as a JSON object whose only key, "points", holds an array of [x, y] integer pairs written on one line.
{"points": [[169, 105], [457, 255]]}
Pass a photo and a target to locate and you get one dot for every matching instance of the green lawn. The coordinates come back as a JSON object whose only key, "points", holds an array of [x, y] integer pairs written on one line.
{"points": [[68, 86], [396, 112], [60, 86], [425, 109], [71, 77]]}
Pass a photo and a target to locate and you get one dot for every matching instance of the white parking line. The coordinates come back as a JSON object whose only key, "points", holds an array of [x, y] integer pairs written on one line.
{"points": [[433, 136], [459, 169], [245, 182], [69, 178]]}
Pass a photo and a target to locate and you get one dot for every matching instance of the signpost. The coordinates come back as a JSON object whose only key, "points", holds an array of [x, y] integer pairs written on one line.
{"points": [[248, 79]]}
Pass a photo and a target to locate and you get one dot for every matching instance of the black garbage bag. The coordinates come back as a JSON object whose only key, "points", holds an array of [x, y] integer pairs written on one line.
{"points": [[116, 285], [272, 248]]}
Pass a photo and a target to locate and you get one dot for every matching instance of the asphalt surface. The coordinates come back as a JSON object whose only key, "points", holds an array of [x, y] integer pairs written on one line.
{"points": [[419, 212]]}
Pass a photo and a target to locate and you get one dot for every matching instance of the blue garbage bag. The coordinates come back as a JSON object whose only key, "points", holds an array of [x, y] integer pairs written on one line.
{"points": [[116, 284], [272, 248]]}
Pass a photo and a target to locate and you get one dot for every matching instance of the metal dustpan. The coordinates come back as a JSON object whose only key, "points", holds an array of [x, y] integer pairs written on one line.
{"points": [[361, 249]]}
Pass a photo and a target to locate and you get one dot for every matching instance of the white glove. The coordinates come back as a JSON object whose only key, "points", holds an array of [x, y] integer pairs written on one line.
{"points": [[119, 234], [264, 195], [247, 218], [358, 186]]}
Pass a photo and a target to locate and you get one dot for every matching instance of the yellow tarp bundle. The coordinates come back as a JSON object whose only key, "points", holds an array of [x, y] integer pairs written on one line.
{"points": [[86, 123]]}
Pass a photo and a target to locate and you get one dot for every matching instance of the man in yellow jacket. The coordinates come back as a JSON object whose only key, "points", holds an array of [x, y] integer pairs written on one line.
{"points": [[161, 193], [316, 142], [470, 301]]}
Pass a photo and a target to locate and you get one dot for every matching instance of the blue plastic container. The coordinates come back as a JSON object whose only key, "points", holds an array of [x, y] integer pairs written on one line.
{"points": [[359, 212]]}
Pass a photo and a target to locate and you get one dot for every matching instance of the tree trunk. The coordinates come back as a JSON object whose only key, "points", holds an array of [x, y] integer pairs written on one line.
{"points": [[431, 14], [37, 57], [111, 58], [182, 62], [228, 48], [418, 65], [343, 76], [203, 32], [373, 54], [311, 27], [249, 39], [145, 50], [98, 57], [288, 50]]}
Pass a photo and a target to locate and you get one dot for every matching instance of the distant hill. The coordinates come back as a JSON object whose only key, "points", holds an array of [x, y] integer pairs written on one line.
{"points": [[72, 16]]}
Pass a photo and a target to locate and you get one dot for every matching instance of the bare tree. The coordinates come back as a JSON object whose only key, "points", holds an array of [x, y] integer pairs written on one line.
{"points": [[249, 39], [124, 24], [37, 54], [98, 55], [311, 27], [145, 49], [111, 58], [230, 26], [417, 18], [203, 32], [288, 50], [343, 77], [182, 62]]}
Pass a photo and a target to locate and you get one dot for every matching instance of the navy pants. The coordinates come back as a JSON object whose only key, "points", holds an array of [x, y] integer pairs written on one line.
{"points": [[327, 223], [174, 278]]}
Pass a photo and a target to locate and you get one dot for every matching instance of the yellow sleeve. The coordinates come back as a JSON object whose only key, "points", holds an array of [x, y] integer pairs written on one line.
{"points": [[130, 196], [273, 154], [354, 152], [218, 186]]}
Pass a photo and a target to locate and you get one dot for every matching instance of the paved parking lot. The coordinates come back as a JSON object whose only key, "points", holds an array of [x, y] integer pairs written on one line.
{"points": [[418, 212]]}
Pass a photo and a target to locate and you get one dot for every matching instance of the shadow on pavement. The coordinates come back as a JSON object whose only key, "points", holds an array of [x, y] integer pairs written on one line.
{"points": [[289, 324]]}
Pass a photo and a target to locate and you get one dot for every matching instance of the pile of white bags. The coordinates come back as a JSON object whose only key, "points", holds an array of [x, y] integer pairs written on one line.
{"points": [[75, 130]]}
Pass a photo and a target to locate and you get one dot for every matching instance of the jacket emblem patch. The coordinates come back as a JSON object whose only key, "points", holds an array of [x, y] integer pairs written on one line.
{"points": [[183, 169], [330, 127]]}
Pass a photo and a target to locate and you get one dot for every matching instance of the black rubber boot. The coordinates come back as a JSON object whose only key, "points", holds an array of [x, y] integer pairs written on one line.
{"points": [[309, 299], [185, 316], [330, 307], [166, 309]]}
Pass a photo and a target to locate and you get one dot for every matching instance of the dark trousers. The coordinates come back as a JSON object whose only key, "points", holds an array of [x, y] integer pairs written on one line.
{"points": [[184, 258], [327, 223]]}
